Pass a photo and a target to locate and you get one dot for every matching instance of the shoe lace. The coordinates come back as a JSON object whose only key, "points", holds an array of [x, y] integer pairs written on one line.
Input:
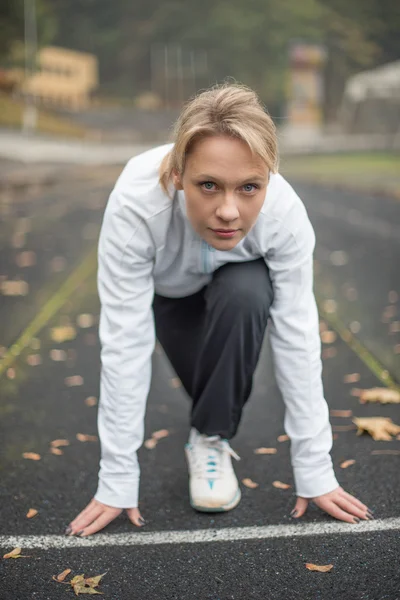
{"points": [[209, 455]]}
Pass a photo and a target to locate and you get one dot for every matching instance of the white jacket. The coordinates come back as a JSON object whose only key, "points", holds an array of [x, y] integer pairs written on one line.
{"points": [[147, 244]]}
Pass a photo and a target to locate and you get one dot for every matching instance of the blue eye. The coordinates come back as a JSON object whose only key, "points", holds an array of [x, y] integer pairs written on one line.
{"points": [[249, 185], [208, 185]]}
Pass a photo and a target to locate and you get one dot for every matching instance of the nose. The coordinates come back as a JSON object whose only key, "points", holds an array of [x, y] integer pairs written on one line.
{"points": [[228, 210]]}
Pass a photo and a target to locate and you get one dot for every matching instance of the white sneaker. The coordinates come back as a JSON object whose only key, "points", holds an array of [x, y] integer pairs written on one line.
{"points": [[213, 485]]}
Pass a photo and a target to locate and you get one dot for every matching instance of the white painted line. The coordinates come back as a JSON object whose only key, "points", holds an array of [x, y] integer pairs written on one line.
{"points": [[229, 534]]}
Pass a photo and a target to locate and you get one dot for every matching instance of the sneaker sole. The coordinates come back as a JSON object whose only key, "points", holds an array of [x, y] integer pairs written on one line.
{"points": [[223, 508]]}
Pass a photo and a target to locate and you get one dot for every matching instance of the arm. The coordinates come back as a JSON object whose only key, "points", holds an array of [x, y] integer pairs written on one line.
{"points": [[296, 350], [127, 335]]}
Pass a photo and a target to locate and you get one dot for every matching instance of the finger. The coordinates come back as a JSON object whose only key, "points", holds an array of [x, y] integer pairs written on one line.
{"points": [[84, 511], [82, 520], [135, 517], [354, 500], [333, 509], [351, 507], [102, 520], [300, 507]]}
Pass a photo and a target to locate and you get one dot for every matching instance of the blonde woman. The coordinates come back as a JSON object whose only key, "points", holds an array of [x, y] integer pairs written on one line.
{"points": [[203, 244]]}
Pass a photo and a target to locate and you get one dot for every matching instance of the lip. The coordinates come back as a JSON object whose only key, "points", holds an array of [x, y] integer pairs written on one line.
{"points": [[225, 233]]}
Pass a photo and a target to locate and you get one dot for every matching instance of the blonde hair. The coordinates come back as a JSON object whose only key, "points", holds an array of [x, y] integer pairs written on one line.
{"points": [[225, 109]]}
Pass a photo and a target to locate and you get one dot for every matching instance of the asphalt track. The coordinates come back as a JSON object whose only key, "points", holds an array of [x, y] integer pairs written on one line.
{"points": [[255, 551]]}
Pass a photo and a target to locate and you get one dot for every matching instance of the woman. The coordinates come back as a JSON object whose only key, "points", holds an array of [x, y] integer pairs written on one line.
{"points": [[203, 244]]}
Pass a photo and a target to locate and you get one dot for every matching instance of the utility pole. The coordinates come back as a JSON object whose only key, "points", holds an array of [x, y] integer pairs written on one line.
{"points": [[29, 119]]}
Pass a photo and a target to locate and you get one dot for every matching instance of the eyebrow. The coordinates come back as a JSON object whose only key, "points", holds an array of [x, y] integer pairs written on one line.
{"points": [[250, 178]]}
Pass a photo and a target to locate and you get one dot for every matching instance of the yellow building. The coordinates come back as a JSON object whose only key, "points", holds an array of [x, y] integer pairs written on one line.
{"points": [[65, 78]]}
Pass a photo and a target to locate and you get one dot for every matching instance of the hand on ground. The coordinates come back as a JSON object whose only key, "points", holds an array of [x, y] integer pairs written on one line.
{"points": [[338, 503], [97, 515]]}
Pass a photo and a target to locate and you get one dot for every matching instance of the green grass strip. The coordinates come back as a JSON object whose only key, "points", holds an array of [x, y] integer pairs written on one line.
{"points": [[362, 352], [86, 268]]}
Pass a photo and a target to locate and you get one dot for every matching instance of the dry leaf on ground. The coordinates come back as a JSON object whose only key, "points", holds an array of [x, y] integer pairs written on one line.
{"points": [[341, 413], [91, 401], [56, 451], [62, 575], [150, 444], [31, 455], [351, 378], [280, 485], [79, 584], [32, 512], [249, 483], [58, 355], [16, 553], [63, 334], [83, 437], [175, 382], [161, 433], [328, 337], [320, 568], [347, 463], [58, 443], [380, 428], [265, 451], [283, 438], [377, 394], [85, 320], [73, 381]]}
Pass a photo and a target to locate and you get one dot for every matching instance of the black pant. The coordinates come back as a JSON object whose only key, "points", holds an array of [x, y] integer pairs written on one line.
{"points": [[213, 340]]}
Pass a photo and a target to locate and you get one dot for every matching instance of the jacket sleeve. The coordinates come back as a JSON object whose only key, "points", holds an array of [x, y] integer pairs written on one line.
{"points": [[296, 351], [127, 336]]}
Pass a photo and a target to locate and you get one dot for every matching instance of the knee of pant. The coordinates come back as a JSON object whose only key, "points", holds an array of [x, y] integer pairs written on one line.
{"points": [[248, 299]]}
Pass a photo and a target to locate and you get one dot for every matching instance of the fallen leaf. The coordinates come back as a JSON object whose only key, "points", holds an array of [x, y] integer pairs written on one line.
{"points": [[34, 360], [63, 334], [380, 428], [11, 373], [283, 438], [328, 352], [394, 327], [280, 485], [73, 381], [32, 512], [58, 355], [56, 451], [85, 320], [83, 437], [31, 455], [91, 401], [58, 443], [158, 435], [347, 463], [14, 288], [58, 264], [62, 575], [81, 588], [378, 394], [151, 443], [340, 413], [249, 483], [342, 427], [328, 337], [25, 259], [94, 581], [16, 553], [265, 451], [330, 306], [351, 378], [77, 579], [175, 382], [321, 568]]}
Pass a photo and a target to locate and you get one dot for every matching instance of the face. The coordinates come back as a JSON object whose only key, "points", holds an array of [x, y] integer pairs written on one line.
{"points": [[224, 187]]}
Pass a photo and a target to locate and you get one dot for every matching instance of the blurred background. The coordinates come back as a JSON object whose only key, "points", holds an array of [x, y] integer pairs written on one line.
{"points": [[121, 70], [87, 84]]}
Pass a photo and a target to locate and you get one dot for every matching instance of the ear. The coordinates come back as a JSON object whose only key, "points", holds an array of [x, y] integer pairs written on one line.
{"points": [[176, 178]]}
